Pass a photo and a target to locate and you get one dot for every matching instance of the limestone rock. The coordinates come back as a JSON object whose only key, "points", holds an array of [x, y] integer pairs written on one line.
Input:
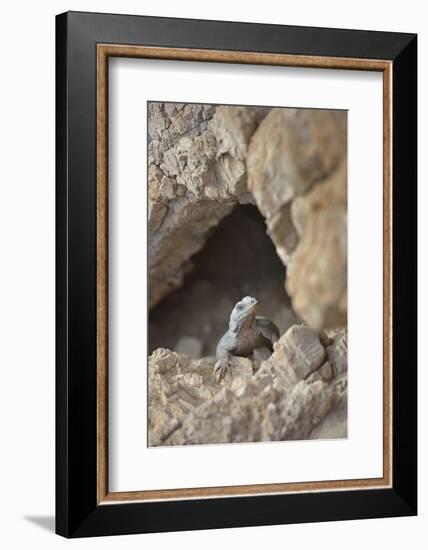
{"points": [[296, 165], [308, 404], [203, 160], [303, 350], [327, 371], [292, 150], [337, 349], [196, 173], [317, 273], [297, 354], [188, 406], [334, 425]]}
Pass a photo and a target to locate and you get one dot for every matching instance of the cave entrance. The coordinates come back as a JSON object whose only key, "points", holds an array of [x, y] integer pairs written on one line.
{"points": [[238, 259]]}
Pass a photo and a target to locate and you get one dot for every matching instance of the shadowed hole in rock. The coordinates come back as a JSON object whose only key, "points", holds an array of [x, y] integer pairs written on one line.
{"points": [[238, 259]]}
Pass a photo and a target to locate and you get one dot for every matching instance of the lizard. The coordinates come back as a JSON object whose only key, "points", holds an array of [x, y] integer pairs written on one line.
{"points": [[248, 334]]}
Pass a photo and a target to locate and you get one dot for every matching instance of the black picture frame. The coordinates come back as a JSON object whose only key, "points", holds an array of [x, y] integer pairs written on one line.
{"points": [[77, 512]]}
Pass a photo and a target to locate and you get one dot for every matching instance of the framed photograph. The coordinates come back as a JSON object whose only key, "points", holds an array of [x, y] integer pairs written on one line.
{"points": [[236, 274]]}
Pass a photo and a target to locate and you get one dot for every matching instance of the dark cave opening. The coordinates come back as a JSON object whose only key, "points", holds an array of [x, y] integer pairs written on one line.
{"points": [[238, 259]]}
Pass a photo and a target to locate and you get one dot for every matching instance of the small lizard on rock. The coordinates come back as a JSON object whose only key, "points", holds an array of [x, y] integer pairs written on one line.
{"points": [[248, 334]]}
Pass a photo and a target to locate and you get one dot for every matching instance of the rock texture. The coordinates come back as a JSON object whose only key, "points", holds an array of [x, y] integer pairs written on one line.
{"points": [[197, 173], [317, 272], [292, 395], [291, 163], [296, 166]]}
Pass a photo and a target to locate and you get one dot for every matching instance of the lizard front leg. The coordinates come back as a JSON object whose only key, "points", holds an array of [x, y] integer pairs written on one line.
{"points": [[222, 365]]}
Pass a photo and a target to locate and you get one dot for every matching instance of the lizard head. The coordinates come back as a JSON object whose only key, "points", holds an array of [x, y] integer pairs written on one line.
{"points": [[243, 313]]}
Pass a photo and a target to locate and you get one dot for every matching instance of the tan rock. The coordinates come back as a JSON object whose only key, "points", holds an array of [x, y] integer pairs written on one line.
{"points": [[197, 172], [188, 406], [303, 350], [204, 159], [297, 173], [292, 150], [334, 425], [327, 371], [337, 349], [317, 272]]}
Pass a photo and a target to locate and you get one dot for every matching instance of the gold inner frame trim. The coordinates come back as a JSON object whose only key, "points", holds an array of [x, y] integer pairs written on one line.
{"points": [[104, 51]]}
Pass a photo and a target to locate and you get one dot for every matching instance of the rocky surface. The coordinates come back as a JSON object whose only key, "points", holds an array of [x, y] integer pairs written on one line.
{"points": [[291, 163], [298, 393], [317, 272], [197, 173], [296, 166]]}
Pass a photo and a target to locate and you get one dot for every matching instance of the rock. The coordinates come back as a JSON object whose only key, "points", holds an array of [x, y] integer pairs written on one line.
{"points": [[337, 349], [225, 418], [298, 355], [317, 274], [203, 160], [188, 406], [242, 373], [303, 350], [296, 165], [190, 346], [334, 425], [197, 172], [291, 151], [327, 371], [308, 404]]}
